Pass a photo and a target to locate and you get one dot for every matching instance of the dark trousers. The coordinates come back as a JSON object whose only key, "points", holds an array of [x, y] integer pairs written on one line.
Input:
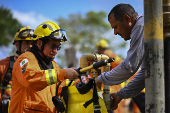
{"points": [[140, 101]]}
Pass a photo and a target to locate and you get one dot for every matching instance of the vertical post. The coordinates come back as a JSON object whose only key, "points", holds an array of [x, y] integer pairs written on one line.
{"points": [[154, 57], [166, 31], [106, 90]]}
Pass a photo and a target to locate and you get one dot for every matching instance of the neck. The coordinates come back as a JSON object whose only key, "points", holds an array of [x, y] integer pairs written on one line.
{"points": [[134, 21]]}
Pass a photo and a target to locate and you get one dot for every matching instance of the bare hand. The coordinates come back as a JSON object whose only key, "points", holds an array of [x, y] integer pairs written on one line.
{"points": [[98, 84], [114, 101], [71, 74]]}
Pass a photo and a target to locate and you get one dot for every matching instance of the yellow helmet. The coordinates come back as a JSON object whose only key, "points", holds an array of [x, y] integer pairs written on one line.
{"points": [[103, 43], [25, 33], [49, 30]]}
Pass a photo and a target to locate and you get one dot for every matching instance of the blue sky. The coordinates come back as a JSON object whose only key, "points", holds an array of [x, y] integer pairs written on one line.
{"points": [[34, 12]]}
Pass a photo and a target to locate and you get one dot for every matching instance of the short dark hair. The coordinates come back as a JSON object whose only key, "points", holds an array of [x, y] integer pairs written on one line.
{"points": [[120, 10]]}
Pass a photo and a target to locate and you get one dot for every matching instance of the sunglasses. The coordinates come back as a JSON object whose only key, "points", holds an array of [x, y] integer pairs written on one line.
{"points": [[26, 33], [53, 46]]}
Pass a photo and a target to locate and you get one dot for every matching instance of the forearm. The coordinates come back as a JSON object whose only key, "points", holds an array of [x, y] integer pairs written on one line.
{"points": [[134, 87], [115, 76]]}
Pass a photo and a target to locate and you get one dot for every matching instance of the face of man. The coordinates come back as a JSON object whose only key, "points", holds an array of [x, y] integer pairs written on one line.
{"points": [[121, 28], [50, 48], [26, 45], [100, 50]]}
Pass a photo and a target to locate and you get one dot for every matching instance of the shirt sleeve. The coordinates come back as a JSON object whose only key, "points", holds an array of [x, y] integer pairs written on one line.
{"points": [[134, 87], [132, 62]]}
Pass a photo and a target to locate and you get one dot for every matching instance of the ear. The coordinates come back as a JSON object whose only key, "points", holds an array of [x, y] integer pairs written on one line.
{"points": [[39, 44], [127, 18]]}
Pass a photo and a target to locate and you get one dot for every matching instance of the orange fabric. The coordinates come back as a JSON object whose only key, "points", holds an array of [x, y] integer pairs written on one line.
{"points": [[30, 89], [143, 91], [135, 108], [4, 63], [133, 76], [117, 61]]}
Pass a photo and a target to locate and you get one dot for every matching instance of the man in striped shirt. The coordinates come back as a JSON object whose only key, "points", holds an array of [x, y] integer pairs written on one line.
{"points": [[130, 26]]}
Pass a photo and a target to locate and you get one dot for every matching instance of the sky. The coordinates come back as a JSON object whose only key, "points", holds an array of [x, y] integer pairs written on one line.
{"points": [[34, 12]]}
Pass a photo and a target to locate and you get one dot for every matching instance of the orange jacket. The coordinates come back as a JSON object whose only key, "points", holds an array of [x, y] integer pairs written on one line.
{"points": [[33, 88], [117, 61], [4, 64]]}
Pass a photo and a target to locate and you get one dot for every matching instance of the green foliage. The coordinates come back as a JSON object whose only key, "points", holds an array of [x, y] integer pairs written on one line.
{"points": [[84, 32], [8, 26]]}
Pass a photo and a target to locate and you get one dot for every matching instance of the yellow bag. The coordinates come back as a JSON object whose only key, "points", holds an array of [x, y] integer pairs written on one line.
{"points": [[77, 100]]}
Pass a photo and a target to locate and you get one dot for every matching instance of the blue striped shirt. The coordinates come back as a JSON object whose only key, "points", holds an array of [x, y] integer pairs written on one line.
{"points": [[133, 61]]}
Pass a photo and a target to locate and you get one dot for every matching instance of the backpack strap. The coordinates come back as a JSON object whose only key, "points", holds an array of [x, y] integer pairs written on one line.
{"points": [[64, 93], [8, 74], [94, 100], [57, 102]]}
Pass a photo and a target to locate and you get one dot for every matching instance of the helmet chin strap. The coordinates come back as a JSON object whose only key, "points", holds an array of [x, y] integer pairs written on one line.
{"points": [[19, 51], [46, 58]]}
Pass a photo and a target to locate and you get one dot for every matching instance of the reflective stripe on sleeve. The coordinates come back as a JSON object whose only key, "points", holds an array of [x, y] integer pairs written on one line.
{"points": [[51, 77], [8, 105], [8, 87]]}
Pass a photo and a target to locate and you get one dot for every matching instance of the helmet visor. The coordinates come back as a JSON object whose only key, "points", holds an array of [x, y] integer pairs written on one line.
{"points": [[59, 34], [26, 33]]}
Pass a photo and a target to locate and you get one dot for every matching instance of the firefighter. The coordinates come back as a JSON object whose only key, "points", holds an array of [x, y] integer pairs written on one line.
{"points": [[102, 48], [23, 42], [35, 73]]}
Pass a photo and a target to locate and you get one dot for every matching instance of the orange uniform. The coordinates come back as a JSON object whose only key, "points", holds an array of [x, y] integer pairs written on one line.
{"points": [[117, 61], [4, 63], [34, 88]]}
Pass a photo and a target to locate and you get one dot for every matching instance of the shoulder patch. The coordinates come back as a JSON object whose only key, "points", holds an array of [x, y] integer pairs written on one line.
{"points": [[23, 62]]}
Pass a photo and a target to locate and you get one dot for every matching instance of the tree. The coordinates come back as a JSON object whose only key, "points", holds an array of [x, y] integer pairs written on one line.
{"points": [[84, 32], [8, 26]]}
